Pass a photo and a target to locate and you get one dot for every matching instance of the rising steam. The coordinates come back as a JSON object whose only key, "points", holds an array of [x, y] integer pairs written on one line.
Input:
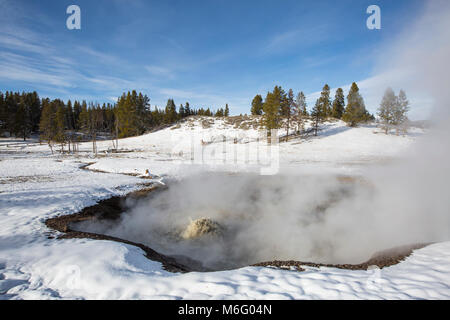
{"points": [[318, 217]]}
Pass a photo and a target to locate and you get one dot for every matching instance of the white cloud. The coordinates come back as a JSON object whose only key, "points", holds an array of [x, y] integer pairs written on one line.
{"points": [[160, 71], [300, 38]]}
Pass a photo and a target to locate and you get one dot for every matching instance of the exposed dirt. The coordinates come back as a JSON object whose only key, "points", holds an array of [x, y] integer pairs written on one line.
{"points": [[382, 259]]}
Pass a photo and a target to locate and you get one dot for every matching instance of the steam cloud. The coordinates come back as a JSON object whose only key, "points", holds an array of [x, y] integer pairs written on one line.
{"points": [[320, 218]]}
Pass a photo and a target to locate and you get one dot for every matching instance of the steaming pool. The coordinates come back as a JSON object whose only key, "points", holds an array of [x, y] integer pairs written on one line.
{"points": [[226, 221]]}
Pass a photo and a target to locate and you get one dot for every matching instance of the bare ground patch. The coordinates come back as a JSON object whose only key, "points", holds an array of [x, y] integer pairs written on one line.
{"points": [[382, 259]]}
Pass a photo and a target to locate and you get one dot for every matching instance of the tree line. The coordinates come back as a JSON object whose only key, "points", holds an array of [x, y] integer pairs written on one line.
{"points": [[281, 108], [22, 114]]}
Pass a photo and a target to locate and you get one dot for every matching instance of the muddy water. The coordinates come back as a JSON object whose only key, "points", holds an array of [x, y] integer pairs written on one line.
{"points": [[227, 221]]}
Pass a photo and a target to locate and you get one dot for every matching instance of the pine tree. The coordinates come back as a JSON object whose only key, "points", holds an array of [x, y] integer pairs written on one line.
{"points": [[290, 105], [257, 105], [401, 111], [355, 111], [22, 119], [83, 119], [182, 112], [325, 102], [284, 109], [60, 119], [170, 112], [70, 116], [227, 111], [76, 114], [126, 116], [271, 109], [33, 102], [47, 125], [3, 113], [300, 111], [187, 109], [386, 109], [318, 115], [141, 105], [219, 113], [11, 102], [338, 104]]}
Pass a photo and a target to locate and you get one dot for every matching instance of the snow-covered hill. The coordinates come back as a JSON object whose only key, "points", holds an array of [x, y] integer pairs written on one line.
{"points": [[234, 144], [35, 185]]}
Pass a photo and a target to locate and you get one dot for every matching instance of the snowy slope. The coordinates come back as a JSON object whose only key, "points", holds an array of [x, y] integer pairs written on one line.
{"points": [[35, 186], [337, 147]]}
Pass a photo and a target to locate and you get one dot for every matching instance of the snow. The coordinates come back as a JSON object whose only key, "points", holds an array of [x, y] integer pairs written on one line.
{"points": [[35, 185]]}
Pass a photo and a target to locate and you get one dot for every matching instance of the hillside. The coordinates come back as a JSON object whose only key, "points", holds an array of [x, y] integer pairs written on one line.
{"points": [[234, 144]]}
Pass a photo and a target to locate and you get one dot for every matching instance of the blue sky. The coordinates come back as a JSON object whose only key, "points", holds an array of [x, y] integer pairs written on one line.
{"points": [[206, 52]]}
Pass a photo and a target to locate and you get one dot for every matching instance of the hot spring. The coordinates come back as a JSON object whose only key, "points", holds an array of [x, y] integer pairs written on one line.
{"points": [[226, 221]]}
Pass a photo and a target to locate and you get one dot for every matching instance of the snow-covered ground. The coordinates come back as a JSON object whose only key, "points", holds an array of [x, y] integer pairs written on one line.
{"points": [[36, 185]]}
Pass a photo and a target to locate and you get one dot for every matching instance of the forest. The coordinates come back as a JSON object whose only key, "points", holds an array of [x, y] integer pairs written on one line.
{"points": [[56, 121]]}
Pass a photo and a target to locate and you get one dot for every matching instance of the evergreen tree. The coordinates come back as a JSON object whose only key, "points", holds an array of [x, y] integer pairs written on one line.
{"points": [[386, 109], [325, 102], [3, 113], [60, 119], [318, 115], [401, 111], [187, 109], [69, 116], [338, 104], [301, 103], [126, 116], [36, 109], [47, 125], [290, 105], [83, 119], [227, 111], [219, 113], [76, 114], [170, 112], [393, 110], [257, 106], [141, 105], [34, 105], [271, 109], [11, 102], [284, 109], [181, 112], [22, 119], [355, 111], [300, 111], [110, 118]]}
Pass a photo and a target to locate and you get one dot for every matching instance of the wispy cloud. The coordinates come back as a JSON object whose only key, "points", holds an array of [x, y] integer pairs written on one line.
{"points": [[160, 71], [317, 61], [32, 75], [296, 38], [101, 57]]}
